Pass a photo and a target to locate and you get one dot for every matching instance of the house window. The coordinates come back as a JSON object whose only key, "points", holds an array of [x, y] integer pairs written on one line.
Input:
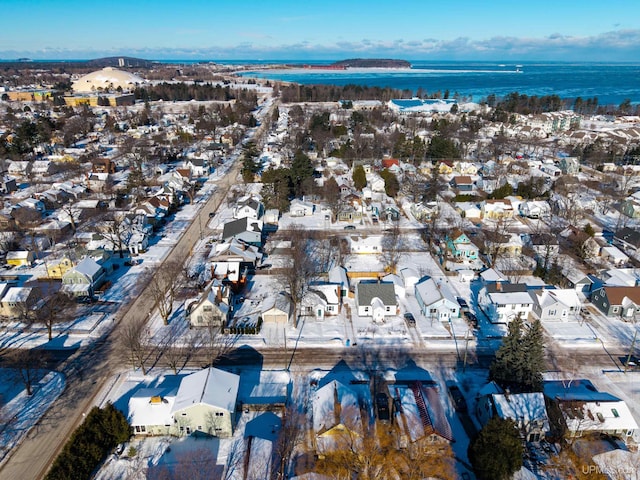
{"points": [[501, 305], [181, 429], [615, 309], [388, 309], [534, 437], [207, 308], [433, 310], [184, 414], [219, 414], [200, 427], [552, 312], [615, 413]]}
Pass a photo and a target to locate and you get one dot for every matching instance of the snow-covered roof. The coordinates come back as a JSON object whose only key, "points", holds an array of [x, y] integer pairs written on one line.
{"points": [[524, 408], [17, 294], [566, 297], [431, 291], [331, 399], [88, 267], [151, 406], [210, 386], [108, 77], [493, 275]]}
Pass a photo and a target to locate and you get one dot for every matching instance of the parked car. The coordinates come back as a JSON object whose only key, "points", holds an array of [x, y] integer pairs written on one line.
{"points": [[350, 227], [464, 306], [411, 320], [459, 402]]}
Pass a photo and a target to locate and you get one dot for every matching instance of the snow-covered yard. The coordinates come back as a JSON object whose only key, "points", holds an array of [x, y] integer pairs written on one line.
{"points": [[19, 412]]}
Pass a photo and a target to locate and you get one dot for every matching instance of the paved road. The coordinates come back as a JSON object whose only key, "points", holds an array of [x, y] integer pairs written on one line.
{"points": [[90, 369]]}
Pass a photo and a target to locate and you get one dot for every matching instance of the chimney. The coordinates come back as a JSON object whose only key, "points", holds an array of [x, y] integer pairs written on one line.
{"points": [[506, 394], [499, 286]]}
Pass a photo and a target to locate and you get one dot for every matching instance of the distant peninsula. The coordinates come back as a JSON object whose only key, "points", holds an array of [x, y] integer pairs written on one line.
{"points": [[371, 63]]}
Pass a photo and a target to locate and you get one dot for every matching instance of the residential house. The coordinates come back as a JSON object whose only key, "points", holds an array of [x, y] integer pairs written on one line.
{"points": [[19, 301], [323, 299], [199, 167], [247, 230], [7, 185], [277, 309], [502, 302], [469, 210], [41, 168], [445, 167], [212, 308], [621, 277], [460, 246], [436, 300], [57, 270], [99, 182], [631, 208], [337, 421], [206, 403], [617, 301], [498, 209], [585, 410], [84, 279], [534, 209], [376, 299], [569, 165], [463, 183], [424, 212], [628, 239], [149, 411], [614, 256], [20, 258], [492, 276], [250, 207], [556, 304], [528, 410], [233, 260], [103, 165], [419, 414], [545, 246], [300, 208]]}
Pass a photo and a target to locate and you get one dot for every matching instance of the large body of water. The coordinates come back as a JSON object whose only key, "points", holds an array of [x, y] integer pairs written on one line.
{"points": [[610, 83]]}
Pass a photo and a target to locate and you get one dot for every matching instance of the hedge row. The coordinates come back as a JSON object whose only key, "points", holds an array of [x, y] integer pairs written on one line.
{"points": [[102, 430]]}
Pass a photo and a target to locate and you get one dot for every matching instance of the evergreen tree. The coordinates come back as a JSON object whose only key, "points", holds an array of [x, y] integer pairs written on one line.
{"points": [[359, 177], [301, 173], [496, 453], [391, 184], [519, 361]]}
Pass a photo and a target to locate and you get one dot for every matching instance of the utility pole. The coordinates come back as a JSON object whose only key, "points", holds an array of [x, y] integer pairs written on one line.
{"points": [[466, 349], [633, 344]]}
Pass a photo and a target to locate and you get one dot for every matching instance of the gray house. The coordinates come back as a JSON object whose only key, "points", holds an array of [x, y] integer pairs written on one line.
{"points": [[617, 301], [248, 230]]}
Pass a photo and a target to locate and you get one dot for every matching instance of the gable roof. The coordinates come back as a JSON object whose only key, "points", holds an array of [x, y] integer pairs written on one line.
{"points": [[431, 291], [88, 267], [616, 295], [628, 235], [368, 290], [210, 386]]}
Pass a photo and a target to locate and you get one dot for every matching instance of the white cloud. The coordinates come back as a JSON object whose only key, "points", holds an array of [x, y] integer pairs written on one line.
{"points": [[619, 45]]}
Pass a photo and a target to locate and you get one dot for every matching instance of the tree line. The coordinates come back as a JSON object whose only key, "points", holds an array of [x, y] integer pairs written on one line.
{"points": [[191, 91]]}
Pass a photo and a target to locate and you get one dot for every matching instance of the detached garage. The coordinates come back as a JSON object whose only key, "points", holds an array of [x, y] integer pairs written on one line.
{"points": [[277, 310]]}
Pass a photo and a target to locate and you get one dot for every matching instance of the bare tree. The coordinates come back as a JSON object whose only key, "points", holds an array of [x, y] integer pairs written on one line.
{"points": [[392, 248], [164, 285], [53, 311], [178, 345], [27, 364], [114, 228], [133, 342], [292, 434], [216, 342], [300, 268]]}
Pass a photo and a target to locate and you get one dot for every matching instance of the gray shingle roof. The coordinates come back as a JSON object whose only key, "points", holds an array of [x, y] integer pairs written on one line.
{"points": [[367, 291]]}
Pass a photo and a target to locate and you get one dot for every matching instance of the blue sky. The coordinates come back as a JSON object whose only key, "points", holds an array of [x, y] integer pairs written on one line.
{"points": [[329, 29]]}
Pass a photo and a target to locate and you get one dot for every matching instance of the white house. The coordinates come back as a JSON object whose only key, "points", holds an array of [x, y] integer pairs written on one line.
{"points": [[534, 209], [300, 208], [247, 230], [528, 410], [556, 304], [250, 207], [503, 302], [614, 255], [376, 299], [436, 300]]}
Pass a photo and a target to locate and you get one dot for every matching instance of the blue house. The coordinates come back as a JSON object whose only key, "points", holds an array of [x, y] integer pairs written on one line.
{"points": [[460, 247]]}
